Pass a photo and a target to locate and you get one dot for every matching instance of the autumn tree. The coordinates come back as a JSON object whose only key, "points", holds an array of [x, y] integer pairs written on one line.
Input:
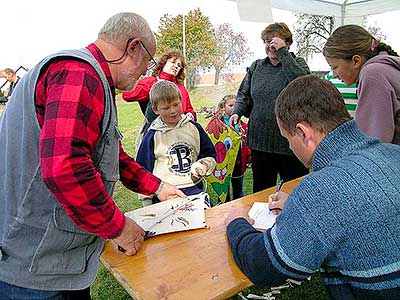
{"points": [[311, 33], [201, 46], [232, 49]]}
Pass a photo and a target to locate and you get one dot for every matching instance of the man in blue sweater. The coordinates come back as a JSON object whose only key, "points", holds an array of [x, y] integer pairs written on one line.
{"points": [[343, 219]]}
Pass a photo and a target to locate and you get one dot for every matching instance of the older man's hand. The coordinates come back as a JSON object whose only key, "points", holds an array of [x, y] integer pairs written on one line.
{"points": [[131, 238]]}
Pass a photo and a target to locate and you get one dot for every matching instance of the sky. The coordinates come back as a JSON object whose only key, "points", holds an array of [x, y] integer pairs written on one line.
{"points": [[32, 29]]}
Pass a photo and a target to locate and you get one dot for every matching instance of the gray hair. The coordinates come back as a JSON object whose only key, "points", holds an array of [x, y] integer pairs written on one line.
{"points": [[123, 26]]}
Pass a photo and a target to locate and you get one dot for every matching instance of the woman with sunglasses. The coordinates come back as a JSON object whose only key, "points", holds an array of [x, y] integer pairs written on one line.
{"points": [[171, 67]]}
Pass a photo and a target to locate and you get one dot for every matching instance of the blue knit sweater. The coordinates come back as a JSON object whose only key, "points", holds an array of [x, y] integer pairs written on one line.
{"points": [[343, 219]]}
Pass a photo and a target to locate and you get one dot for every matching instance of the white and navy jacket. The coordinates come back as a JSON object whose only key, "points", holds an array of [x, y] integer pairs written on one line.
{"points": [[169, 152]]}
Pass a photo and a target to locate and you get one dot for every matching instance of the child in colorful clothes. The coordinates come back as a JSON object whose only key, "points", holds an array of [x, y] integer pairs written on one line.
{"points": [[174, 142], [225, 107]]}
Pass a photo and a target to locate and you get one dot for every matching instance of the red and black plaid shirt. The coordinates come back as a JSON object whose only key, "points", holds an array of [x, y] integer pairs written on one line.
{"points": [[70, 105]]}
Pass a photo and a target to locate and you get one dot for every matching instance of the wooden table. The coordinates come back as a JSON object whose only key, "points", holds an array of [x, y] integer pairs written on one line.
{"points": [[194, 264]]}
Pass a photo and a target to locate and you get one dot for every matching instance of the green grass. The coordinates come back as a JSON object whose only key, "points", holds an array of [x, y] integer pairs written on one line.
{"points": [[130, 120]]}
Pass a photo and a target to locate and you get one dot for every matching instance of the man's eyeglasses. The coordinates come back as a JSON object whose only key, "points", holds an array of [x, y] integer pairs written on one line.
{"points": [[152, 61]]}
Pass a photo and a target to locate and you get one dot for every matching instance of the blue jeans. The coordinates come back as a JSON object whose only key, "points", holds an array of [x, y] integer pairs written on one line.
{"points": [[12, 292]]}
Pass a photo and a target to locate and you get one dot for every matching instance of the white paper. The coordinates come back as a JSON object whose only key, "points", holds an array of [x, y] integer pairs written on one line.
{"points": [[172, 215], [262, 216]]}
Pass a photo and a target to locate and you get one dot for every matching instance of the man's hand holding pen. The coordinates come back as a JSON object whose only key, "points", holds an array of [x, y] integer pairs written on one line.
{"points": [[277, 200]]}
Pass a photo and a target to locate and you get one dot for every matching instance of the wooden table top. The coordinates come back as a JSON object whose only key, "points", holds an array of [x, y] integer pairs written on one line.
{"points": [[195, 264]]}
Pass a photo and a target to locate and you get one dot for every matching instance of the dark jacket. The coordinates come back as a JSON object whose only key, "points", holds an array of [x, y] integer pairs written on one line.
{"points": [[256, 99]]}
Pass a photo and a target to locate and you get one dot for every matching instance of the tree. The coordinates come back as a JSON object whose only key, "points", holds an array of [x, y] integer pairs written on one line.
{"points": [[311, 33], [375, 31], [201, 46], [232, 49]]}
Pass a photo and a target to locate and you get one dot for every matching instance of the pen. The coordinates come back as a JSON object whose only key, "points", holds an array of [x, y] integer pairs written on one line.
{"points": [[278, 189]]}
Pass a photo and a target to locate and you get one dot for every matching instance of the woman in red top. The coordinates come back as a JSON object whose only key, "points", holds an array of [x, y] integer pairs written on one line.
{"points": [[171, 67]]}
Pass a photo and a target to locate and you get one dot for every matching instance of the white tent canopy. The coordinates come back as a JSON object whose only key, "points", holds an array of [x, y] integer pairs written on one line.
{"points": [[344, 11]]}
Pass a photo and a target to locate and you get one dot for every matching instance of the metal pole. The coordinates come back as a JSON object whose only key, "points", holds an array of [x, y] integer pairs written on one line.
{"points": [[184, 41], [343, 13]]}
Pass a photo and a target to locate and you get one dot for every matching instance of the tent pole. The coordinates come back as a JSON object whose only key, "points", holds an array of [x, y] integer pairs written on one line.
{"points": [[184, 41], [343, 11]]}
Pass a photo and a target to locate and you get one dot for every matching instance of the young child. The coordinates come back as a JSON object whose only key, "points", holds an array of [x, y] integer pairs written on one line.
{"points": [[174, 142], [226, 107], [220, 108]]}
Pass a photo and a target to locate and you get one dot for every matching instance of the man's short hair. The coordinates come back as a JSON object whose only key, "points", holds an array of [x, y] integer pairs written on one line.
{"points": [[312, 100], [164, 90]]}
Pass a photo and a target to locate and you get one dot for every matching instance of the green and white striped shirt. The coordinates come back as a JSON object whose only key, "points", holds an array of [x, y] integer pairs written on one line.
{"points": [[348, 92]]}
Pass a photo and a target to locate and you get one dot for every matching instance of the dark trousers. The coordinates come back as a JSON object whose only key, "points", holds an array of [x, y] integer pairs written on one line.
{"points": [[266, 167], [237, 189], [12, 292]]}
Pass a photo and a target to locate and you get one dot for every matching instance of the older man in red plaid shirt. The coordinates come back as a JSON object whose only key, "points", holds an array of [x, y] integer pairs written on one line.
{"points": [[61, 156]]}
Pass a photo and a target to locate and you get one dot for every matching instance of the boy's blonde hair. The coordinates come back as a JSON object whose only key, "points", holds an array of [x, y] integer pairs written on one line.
{"points": [[164, 90]]}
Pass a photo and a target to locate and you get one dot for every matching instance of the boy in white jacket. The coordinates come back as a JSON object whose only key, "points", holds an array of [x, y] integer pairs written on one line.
{"points": [[174, 143]]}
